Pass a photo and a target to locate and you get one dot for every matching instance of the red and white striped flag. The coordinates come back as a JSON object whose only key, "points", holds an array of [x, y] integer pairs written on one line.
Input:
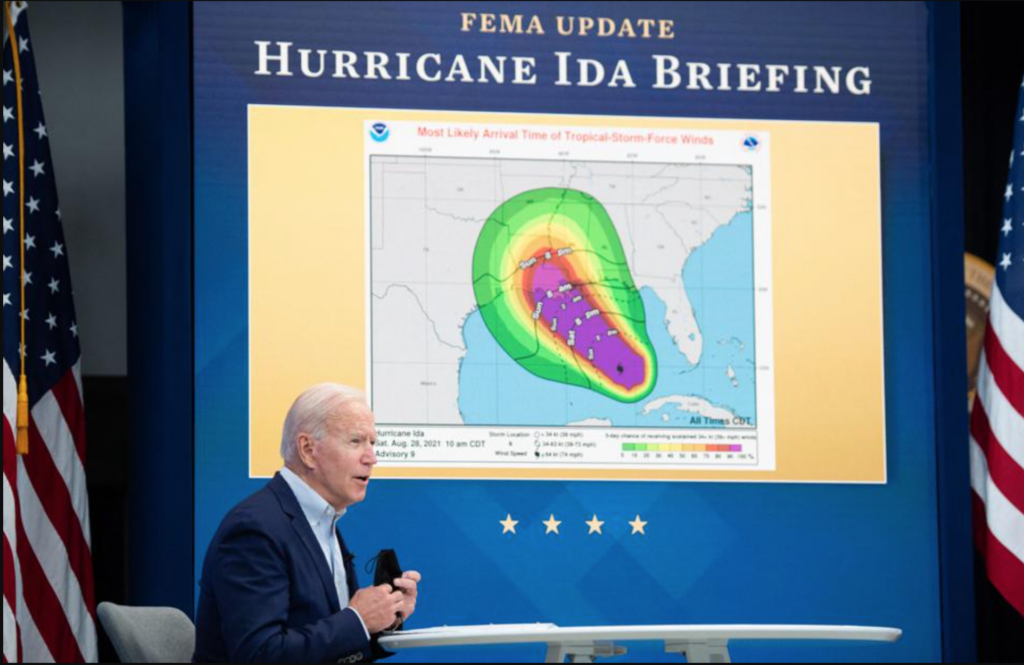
{"points": [[997, 424], [49, 606]]}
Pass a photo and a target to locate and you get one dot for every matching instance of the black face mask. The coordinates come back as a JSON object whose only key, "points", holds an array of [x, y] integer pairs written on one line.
{"points": [[387, 570]]}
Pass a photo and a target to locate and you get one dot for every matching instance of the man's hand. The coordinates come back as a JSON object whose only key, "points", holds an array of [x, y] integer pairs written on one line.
{"points": [[378, 606], [409, 586]]}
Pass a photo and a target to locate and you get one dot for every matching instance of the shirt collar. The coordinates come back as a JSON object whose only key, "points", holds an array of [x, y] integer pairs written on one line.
{"points": [[314, 507]]}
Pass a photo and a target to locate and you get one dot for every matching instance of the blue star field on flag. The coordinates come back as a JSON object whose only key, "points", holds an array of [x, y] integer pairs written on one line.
{"points": [[51, 331], [1010, 260]]}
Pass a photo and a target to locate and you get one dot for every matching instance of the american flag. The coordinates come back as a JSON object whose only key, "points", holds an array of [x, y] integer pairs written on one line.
{"points": [[997, 424], [49, 608]]}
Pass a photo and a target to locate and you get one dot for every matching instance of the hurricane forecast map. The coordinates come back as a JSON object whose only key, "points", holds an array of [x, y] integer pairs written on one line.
{"points": [[532, 306]]}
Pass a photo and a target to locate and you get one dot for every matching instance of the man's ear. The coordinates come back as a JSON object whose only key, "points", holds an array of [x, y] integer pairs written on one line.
{"points": [[306, 445]]}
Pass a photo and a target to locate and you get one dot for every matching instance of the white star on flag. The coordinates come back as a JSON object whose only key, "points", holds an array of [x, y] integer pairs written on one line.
{"points": [[8, 225], [30, 242], [8, 151], [37, 168], [22, 45], [1009, 193], [1006, 262], [54, 286], [8, 188], [41, 131], [32, 204], [595, 526], [50, 358], [8, 114], [7, 263], [57, 249], [52, 322], [552, 526], [1007, 227], [8, 76]]}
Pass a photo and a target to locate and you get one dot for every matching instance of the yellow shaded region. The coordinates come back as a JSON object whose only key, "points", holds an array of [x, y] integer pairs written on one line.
{"points": [[523, 246], [308, 289]]}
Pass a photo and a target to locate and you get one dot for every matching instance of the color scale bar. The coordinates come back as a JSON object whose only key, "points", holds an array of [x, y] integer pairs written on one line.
{"points": [[680, 448]]}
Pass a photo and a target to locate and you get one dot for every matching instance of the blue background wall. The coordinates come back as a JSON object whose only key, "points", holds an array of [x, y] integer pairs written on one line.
{"points": [[714, 553]]}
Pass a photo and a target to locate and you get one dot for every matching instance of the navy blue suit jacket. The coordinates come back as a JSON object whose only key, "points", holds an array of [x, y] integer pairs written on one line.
{"points": [[267, 593]]}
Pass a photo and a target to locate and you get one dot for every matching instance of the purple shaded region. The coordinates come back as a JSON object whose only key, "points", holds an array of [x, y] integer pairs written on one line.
{"points": [[564, 312]]}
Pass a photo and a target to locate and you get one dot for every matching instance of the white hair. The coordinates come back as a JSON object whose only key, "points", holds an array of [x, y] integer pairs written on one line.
{"points": [[310, 412]]}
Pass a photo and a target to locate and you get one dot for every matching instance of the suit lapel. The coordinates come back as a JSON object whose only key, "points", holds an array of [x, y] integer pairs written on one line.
{"points": [[350, 568], [300, 524]]}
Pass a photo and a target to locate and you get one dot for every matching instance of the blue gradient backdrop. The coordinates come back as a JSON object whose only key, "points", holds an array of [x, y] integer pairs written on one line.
{"points": [[715, 553]]}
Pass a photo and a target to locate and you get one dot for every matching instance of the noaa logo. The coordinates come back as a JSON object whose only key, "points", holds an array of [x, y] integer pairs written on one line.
{"points": [[379, 132], [751, 143]]}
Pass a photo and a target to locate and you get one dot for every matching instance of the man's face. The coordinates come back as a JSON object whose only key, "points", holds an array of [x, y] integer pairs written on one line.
{"points": [[343, 459]]}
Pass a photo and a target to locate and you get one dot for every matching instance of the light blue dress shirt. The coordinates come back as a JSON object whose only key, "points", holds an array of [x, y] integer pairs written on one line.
{"points": [[323, 520]]}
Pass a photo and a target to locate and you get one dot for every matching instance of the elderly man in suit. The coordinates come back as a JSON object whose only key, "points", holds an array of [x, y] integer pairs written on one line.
{"points": [[278, 583]]}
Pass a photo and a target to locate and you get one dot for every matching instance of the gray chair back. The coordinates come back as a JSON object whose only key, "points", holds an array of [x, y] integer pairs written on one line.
{"points": [[148, 634]]}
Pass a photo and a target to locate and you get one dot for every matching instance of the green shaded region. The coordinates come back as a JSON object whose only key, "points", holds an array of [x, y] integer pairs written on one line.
{"points": [[549, 219]]}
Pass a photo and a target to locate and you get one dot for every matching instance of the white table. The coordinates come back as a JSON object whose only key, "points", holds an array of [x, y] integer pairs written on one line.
{"points": [[699, 644]]}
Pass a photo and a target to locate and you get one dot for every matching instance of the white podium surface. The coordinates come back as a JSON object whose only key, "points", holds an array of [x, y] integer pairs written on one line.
{"points": [[699, 644]]}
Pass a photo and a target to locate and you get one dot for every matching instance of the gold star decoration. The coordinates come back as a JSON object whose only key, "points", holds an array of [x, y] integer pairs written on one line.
{"points": [[509, 524], [595, 526], [638, 526], [552, 525]]}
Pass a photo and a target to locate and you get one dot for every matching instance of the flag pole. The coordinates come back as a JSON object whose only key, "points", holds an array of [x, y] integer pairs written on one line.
{"points": [[23, 412]]}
